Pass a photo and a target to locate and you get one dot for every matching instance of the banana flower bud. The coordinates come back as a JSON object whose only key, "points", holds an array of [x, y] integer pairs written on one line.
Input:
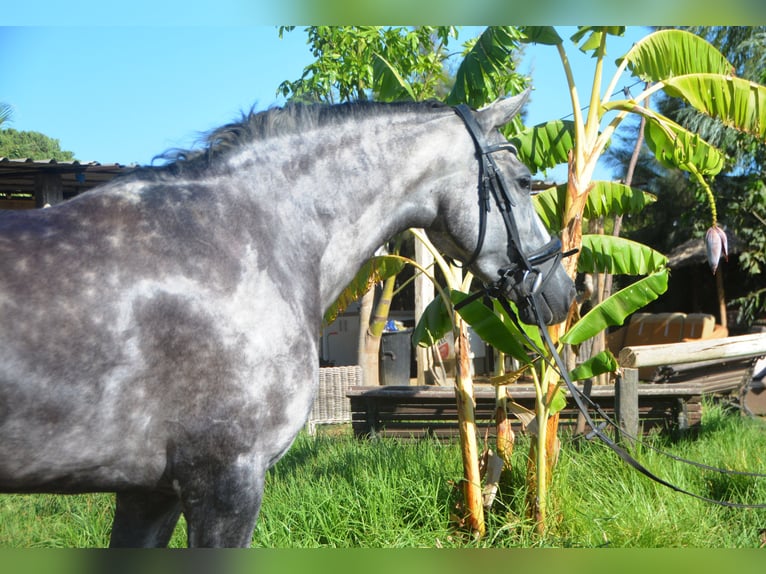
{"points": [[716, 246]]}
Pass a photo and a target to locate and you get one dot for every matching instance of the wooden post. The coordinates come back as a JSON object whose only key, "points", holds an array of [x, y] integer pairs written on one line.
{"points": [[424, 294], [626, 405], [48, 189], [586, 389], [721, 297]]}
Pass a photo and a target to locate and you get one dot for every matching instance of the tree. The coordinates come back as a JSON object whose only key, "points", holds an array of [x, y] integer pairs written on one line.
{"points": [[30, 144], [351, 62]]}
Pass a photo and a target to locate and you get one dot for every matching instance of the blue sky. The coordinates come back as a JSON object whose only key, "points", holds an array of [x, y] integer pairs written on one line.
{"points": [[126, 94]]}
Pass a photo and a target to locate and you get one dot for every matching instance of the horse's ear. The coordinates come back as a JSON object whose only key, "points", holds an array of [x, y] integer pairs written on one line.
{"points": [[500, 112]]}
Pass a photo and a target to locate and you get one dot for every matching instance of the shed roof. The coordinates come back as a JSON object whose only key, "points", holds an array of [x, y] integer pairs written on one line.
{"points": [[18, 175]]}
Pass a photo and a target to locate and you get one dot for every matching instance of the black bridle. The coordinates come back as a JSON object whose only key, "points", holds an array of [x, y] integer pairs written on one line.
{"points": [[524, 273], [492, 184]]}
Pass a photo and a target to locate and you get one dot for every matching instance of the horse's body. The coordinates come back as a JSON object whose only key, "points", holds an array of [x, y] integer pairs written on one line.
{"points": [[158, 335]]}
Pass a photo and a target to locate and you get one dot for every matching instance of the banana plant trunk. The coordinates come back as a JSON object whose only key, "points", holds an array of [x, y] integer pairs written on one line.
{"points": [[544, 456], [369, 347], [466, 412]]}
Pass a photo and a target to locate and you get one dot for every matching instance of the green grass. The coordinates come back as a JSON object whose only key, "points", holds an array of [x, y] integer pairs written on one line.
{"points": [[333, 490]]}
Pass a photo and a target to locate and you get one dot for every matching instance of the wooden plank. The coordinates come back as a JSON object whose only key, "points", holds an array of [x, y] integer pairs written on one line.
{"points": [[752, 345], [432, 411], [518, 393]]}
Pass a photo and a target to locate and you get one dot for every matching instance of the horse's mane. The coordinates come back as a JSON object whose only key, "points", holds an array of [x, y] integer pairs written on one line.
{"points": [[254, 126]]}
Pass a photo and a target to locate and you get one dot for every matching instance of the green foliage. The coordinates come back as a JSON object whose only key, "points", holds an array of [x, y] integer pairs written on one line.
{"points": [[733, 101], [669, 53], [371, 62], [609, 198], [502, 335], [24, 144], [591, 36], [545, 145], [435, 323], [546, 35], [488, 68], [605, 199], [6, 112], [614, 310], [603, 362], [674, 146], [618, 256], [705, 104]]}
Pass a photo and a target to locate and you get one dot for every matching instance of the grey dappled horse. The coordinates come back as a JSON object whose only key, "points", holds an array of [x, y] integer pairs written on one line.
{"points": [[158, 335]]}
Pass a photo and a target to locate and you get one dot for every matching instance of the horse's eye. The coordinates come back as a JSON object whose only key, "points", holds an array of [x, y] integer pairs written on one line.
{"points": [[525, 183]]}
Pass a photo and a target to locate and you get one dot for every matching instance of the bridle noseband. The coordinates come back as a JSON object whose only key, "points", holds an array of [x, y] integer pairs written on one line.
{"points": [[524, 274]]}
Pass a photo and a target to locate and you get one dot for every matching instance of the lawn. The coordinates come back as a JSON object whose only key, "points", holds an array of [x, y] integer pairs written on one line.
{"points": [[332, 490]]}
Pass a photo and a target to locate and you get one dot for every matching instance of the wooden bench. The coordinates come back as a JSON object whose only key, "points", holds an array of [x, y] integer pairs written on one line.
{"points": [[718, 367], [689, 371], [420, 411]]}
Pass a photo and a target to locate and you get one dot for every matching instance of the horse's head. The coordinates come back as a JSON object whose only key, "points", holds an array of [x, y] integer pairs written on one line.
{"points": [[503, 240]]}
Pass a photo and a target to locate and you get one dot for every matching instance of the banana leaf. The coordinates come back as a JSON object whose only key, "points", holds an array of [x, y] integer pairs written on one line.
{"points": [[483, 74], [615, 309], [618, 256], [545, 35], [604, 362], [491, 328], [609, 198], [673, 146], [531, 331], [605, 199], [545, 145], [593, 35], [389, 84], [377, 269], [557, 401], [435, 323], [736, 102], [668, 53]]}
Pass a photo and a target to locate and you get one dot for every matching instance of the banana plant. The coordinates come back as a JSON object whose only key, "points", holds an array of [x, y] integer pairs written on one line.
{"points": [[681, 64], [678, 63], [497, 328]]}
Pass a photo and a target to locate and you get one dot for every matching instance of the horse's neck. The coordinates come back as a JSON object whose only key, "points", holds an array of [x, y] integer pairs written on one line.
{"points": [[356, 189]]}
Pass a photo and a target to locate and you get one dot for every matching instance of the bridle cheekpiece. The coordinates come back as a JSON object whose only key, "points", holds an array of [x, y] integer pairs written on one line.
{"points": [[524, 273]]}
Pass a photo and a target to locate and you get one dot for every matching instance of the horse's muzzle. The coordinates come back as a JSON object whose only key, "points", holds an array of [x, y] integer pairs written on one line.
{"points": [[546, 291]]}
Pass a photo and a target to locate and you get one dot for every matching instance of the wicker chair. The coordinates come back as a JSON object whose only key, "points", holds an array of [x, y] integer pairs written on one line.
{"points": [[331, 405]]}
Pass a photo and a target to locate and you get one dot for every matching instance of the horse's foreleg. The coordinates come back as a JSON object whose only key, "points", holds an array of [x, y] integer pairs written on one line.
{"points": [[223, 512], [144, 519]]}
